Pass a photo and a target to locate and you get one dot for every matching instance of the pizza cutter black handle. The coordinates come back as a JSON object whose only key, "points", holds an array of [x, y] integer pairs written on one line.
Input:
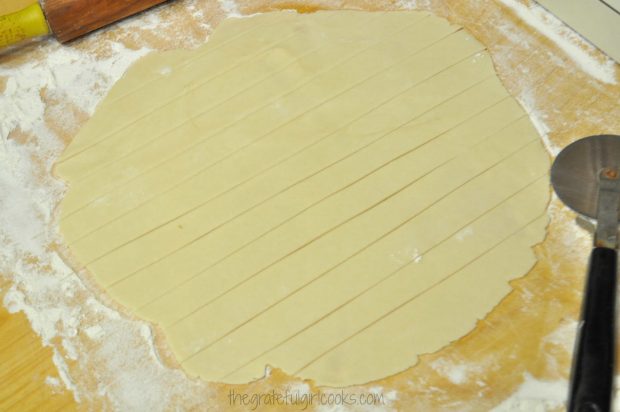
{"points": [[594, 359]]}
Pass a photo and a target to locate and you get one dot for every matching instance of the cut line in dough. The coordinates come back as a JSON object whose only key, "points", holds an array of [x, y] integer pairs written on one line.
{"points": [[332, 194]]}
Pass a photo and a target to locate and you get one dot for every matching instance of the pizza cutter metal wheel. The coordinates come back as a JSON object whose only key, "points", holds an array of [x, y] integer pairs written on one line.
{"points": [[586, 177]]}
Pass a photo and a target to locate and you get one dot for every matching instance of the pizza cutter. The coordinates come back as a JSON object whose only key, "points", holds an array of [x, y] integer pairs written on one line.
{"points": [[586, 177]]}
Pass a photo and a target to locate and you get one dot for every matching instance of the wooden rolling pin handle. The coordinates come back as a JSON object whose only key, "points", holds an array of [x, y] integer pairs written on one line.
{"points": [[70, 19]]}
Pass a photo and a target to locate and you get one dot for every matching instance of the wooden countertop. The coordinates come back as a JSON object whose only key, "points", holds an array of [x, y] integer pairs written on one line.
{"points": [[513, 339], [25, 365]]}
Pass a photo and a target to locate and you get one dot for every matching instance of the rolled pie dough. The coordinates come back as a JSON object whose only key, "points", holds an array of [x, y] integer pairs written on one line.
{"points": [[332, 194]]}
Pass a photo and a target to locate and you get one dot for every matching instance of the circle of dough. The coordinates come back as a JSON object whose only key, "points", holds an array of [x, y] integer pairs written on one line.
{"points": [[331, 194]]}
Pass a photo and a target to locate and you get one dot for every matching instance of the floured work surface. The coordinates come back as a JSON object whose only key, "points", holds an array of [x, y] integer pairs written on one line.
{"points": [[518, 355], [332, 194]]}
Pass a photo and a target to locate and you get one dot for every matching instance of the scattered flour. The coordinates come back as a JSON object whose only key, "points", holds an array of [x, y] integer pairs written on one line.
{"points": [[537, 117], [230, 8], [564, 336], [456, 373], [575, 47], [414, 4], [464, 234], [540, 396], [94, 332], [417, 256], [535, 396], [60, 306], [388, 396], [53, 382], [166, 70], [54, 299]]}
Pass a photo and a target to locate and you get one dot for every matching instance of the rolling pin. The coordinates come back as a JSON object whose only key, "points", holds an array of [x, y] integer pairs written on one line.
{"points": [[66, 19]]}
